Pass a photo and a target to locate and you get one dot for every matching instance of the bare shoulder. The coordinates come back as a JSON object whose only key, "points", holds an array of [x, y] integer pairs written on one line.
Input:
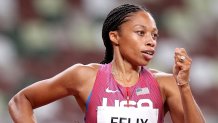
{"points": [[82, 72], [78, 70], [91, 66], [81, 81], [78, 76], [166, 82], [161, 76]]}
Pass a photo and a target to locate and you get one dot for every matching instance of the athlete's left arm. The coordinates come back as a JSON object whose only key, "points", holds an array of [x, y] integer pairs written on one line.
{"points": [[182, 94]]}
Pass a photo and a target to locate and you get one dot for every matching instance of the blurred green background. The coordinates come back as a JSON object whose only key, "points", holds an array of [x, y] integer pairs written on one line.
{"points": [[40, 38]]}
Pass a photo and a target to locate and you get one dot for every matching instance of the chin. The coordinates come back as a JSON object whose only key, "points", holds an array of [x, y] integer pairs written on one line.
{"points": [[140, 62], [143, 63]]}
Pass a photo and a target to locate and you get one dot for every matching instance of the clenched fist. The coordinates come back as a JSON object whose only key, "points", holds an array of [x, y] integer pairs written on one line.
{"points": [[182, 66]]}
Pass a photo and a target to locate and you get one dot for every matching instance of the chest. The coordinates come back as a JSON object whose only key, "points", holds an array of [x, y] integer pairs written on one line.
{"points": [[108, 94], [112, 94]]}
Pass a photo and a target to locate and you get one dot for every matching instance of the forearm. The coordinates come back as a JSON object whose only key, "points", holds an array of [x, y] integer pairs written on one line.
{"points": [[21, 110], [192, 112]]}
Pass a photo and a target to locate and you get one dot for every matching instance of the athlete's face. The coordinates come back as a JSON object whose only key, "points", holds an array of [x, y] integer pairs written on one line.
{"points": [[137, 38]]}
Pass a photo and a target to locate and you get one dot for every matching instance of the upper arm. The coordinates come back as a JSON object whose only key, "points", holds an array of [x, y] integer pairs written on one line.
{"points": [[173, 101], [68, 82]]}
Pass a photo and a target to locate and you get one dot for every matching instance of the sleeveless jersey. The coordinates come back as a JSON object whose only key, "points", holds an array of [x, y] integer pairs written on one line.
{"points": [[107, 88]]}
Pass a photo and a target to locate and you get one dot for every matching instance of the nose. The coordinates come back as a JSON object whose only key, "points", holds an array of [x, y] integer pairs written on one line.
{"points": [[150, 42]]}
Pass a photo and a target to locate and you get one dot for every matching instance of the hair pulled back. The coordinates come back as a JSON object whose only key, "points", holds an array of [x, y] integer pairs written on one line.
{"points": [[112, 22]]}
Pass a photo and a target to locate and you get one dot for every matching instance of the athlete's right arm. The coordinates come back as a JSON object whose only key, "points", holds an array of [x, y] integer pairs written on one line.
{"points": [[68, 82]]}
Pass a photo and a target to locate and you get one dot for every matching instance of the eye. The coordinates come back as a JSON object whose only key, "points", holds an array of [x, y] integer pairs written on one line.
{"points": [[155, 36], [140, 33]]}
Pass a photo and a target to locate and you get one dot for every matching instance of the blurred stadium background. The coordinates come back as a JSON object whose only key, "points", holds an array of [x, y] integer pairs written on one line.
{"points": [[40, 38]]}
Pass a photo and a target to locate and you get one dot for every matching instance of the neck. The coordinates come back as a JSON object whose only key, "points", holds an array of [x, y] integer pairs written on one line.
{"points": [[122, 65], [124, 72]]}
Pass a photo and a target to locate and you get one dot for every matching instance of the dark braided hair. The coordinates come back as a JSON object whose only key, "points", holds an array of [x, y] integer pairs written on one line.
{"points": [[112, 22]]}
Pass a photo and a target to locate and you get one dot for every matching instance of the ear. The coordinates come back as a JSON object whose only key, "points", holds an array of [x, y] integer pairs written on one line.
{"points": [[114, 37]]}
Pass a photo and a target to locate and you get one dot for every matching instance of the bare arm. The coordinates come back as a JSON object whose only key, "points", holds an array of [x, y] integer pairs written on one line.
{"points": [[182, 105], [179, 101], [192, 112], [69, 82], [176, 92]]}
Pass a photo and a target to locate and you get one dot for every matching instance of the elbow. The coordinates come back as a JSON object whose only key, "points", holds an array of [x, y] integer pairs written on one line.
{"points": [[10, 104], [20, 109], [12, 107], [13, 104], [17, 102]]}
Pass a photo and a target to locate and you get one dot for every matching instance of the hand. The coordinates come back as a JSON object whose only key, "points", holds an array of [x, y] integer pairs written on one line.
{"points": [[182, 66]]}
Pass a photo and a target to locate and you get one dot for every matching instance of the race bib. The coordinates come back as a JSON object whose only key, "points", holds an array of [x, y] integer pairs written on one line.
{"points": [[110, 114]]}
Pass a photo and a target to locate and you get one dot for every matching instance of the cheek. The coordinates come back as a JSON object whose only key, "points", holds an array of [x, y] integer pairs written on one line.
{"points": [[131, 43], [134, 49], [134, 45], [129, 48], [155, 44]]}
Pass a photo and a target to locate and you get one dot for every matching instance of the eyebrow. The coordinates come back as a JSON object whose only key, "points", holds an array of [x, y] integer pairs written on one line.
{"points": [[138, 25]]}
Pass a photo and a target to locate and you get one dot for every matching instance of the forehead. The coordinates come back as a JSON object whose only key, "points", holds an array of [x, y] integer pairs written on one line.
{"points": [[141, 18]]}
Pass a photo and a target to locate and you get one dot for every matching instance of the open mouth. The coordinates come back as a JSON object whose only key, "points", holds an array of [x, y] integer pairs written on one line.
{"points": [[148, 52]]}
